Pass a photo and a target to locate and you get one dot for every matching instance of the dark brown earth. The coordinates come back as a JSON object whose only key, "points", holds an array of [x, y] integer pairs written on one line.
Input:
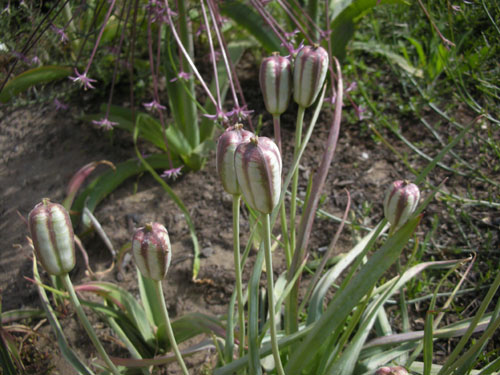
{"points": [[42, 148]]}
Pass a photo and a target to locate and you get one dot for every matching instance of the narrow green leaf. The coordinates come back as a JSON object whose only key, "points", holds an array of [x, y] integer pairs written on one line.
{"points": [[315, 309], [123, 300], [66, 351], [15, 315], [376, 48], [162, 360], [32, 77], [346, 299]]}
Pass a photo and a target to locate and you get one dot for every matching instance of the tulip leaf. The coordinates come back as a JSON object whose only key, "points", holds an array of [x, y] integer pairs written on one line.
{"points": [[247, 18], [344, 20], [32, 77]]}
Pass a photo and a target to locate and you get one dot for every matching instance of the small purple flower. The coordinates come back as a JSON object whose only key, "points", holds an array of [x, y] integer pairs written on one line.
{"points": [[62, 35], [85, 81], [240, 112], [359, 112], [331, 99], [293, 51], [35, 60], [324, 34], [159, 12], [105, 123], [21, 57], [154, 105], [172, 173], [182, 76], [220, 115], [456, 8], [353, 86], [200, 30], [291, 35], [60, 106]]}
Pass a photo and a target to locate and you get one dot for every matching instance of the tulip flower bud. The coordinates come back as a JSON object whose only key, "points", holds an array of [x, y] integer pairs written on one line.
{"points": [[151, 249], [226, 145], [53, 237], [276, 83], [400, 202], [258, 168], [309, 72]]}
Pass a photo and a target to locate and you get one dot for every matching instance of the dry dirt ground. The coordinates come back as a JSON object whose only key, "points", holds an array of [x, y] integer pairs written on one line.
{"points": [[42, 148]]}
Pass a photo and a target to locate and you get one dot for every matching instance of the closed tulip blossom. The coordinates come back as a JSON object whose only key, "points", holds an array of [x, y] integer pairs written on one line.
{"points": [[53, 238], [400, 202], [276, 83], [226, 146], [258, 169], [152, 251], [309, 73]]}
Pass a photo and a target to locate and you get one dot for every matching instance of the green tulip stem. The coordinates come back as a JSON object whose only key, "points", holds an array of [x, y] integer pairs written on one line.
{"points": [[86, 324], [284, 228], [277, 131], [168, 327], [237, 270], [295, 180], [270, 293]]}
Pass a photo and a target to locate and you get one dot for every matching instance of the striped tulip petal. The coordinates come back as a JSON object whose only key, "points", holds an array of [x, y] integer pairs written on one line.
{"points": [[400, 202], [226, 145], [309, 72], [53, 237], [258, 168], [152, 251], [276, 83]]}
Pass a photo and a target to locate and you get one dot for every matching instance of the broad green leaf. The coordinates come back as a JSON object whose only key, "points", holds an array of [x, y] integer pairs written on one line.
{"points": [[344, 19], [245, 16], [32, 77], [106, 183]]}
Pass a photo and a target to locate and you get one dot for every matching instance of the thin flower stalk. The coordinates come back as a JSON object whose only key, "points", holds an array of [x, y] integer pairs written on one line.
{"points": [[275, 27], [292, 16], [190, 61], [154, 75], [168, 326], [86, 324], [270, 293], [212, 51], [108, 125], [83, 78], [211, 6], [238, 273]]}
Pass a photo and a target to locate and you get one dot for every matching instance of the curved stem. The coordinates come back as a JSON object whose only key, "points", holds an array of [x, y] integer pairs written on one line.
{"points": [[237, 270], [295, 180], [86, 324], [270, 293], [168, 328]]}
